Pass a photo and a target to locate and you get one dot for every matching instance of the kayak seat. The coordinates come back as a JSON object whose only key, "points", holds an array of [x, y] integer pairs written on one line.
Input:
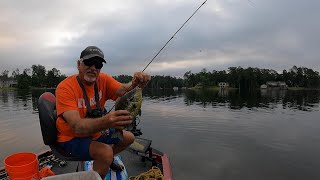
{"points": [[48, 117]]}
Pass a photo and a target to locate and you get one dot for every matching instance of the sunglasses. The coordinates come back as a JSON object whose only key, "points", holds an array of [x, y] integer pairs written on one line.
{"points": [[96, 62]]}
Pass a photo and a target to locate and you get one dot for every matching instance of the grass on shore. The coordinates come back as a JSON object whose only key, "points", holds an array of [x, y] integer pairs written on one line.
{"points": [[216, 88], [42, 88], [8, 88], [301, 88], [12, 88]]}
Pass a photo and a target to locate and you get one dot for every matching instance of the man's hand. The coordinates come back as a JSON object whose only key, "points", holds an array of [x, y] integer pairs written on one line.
{"points": [[140, 79], [118, 119]]}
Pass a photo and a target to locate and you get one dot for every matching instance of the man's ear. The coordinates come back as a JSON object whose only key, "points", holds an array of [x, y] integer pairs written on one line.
{"points": [[78, 64]]}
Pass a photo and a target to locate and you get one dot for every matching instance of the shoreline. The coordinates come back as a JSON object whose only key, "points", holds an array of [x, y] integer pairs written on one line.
{"points": [[301, 88], [31, 88], [191, 88]]}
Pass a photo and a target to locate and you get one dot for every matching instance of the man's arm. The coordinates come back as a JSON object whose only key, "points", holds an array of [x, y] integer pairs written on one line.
{"points": [[124, 88], [88, 126], [139, 79]]}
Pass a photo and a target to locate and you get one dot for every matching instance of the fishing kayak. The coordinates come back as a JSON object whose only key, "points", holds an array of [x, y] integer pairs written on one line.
{"points": [[139, 158]]}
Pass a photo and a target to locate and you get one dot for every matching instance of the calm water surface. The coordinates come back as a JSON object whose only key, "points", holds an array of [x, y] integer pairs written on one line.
{"points": [[207, 134]]}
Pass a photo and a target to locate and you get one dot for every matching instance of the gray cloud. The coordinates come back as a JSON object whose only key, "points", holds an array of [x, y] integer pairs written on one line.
{"points": [[264, 34]]}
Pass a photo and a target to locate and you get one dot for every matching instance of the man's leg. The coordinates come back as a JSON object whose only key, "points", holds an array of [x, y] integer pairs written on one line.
{"points": [[128, 139], [102, 155]]}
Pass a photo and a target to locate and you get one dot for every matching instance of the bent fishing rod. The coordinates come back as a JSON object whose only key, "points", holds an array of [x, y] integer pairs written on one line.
{"points": [[165, 45]]}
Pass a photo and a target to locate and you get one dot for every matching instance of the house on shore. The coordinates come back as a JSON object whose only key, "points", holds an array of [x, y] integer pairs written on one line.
{"points": [[263, 86], [8, 82], [223, 85], [274, 84]]}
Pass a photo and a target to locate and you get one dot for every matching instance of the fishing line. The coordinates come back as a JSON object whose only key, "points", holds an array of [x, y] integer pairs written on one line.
{"points": [[251, 2], [174, 35], [165, 46]]}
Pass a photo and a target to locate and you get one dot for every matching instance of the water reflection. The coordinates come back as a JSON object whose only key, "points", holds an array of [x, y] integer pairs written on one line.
{"points": [[4, 95], [301, 100], [240, 143], [35, 96], [294, 100], [304, 100], [14, 100]]}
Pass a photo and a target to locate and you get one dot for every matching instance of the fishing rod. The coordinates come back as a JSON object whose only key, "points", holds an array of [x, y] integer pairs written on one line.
{"points": [[174, 35], [165, 45]]}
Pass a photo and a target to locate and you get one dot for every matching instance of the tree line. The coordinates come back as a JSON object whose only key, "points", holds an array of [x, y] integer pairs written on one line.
{"points": [[250, 78], [36, 76], [157, 82], [237, 77]]}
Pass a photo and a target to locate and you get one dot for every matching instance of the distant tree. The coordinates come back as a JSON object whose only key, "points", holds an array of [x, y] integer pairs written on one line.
{"points": [[15, 73], [186, 78], [62, 77], [249, 78], [24, 79], [234, 76], [165, 82], [204, 77], [38, 75], [4, 75], [123, 78], [53, 77], [190, 79]]}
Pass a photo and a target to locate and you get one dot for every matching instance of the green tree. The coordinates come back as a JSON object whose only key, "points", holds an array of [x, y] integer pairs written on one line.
{"points": [[24, 79], [123, 78], [15, 73], [4, 75], [53, 77], [38, 75]]}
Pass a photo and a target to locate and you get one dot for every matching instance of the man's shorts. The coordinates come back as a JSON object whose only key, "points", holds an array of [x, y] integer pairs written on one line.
{"points": [[79, 147]]}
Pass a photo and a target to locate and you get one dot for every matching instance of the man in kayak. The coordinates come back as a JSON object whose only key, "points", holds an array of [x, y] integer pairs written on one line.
{"points": [[84, 128]]}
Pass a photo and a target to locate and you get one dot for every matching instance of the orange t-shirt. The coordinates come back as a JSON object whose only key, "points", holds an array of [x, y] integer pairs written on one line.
{"points": [[69, 96]]}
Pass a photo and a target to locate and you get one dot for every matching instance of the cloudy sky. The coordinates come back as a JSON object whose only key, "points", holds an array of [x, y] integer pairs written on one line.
{"points": [[273, 34]]}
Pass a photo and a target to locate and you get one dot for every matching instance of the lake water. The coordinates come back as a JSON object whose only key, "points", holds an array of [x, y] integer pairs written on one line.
{"points": [[207, 134]]}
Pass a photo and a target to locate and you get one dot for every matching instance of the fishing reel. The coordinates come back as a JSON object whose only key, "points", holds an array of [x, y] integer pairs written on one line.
{"points": [[133, 127]]}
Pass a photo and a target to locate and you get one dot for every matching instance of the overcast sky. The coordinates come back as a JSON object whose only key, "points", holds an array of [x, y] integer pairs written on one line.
{"points": [[273, 34]]}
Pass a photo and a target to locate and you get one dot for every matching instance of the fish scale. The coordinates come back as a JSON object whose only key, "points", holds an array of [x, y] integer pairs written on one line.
{"points": [[131, 101]]}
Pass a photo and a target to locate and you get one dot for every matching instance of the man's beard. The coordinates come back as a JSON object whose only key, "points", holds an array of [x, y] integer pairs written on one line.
{"points": [[89, 79]]}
